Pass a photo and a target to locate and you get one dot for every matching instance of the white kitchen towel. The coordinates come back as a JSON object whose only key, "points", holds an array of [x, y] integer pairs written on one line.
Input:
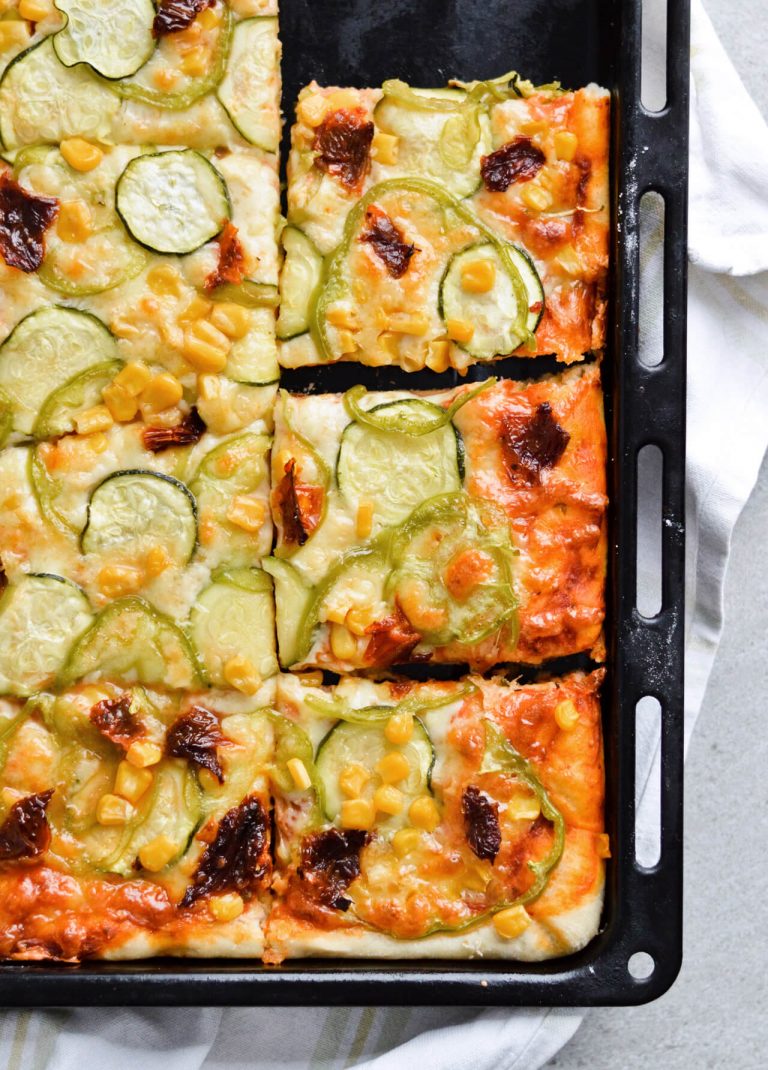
{"points": [[727, 437]]}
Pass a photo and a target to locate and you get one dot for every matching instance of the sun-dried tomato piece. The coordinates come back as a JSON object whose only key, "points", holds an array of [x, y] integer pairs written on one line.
{"points": [[481, 823], [24, 219], [189, 430], [238, 859], [343, 146], [387, 242], [330, 861], [25, 832], [175, 15], [299, 504], [392, 639], [517, 161], [196, 736], [231, 266], [113, 718], [533, 444]]}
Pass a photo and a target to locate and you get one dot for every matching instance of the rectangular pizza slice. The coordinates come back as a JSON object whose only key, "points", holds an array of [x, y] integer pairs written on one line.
{"points": [[134, 822], [128, 556], [145, 282], [460, 526], [440, 228], [448, 820], [198, 73]]}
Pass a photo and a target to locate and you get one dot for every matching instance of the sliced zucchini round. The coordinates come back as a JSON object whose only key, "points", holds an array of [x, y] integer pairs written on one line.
{"points": [[234, 617], [41, 100], [133, 642], [114, 37], [136, 509], [58, 411], [252, 360], [55, 504], [293, 597], [247, 89], [495, 314], [365, 744], [174, 811], [172, 202], [40, 618], [394, 470], [299, 281], [247, 293], [112, 258], [6, 417], [46, 350]]}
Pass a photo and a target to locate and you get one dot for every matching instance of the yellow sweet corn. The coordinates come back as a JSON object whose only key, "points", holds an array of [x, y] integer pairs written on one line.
{"points": [[388, 799], [143, 753], [405, 840], [241, 674], [344, 317], [196, 309], [512, 922], [161, 392], [460, 330], [205, 347], [566, 715], [112, 810], [209, 18], [246, 513], [156, 854], [566, 144], [524, 809], [399, 727], [311, 109], [357, 814], [35, 10], [299, 775], [393, 767], [195, 62], [93, 420], [73, 223], [385, 148], [478, 276], [226, 907], [536, 197], [80, 154], [364, 520], [353, 779], [133, 377], [164, 280], [13, 33], [131, 783], [343, 643], [208, 387], [408, 323], [438, 355], [359, 619], [120, 403], [232, 320], [424, 814]]}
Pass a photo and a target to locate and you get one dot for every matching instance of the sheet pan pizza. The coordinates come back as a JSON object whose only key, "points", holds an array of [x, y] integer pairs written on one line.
{"points": [[214, 593]]}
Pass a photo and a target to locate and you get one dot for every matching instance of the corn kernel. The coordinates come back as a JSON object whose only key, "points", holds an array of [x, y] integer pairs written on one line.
{"points": [[341, 316], [566, 715], [161, 392], [112, 810], [344, 98], [131, 783], [424, 814], [568, 261], [393, 767], [208, 387], [165, 77], [96, 419], [475, 878], [98, 442], [120, 403], [359, 619], [399, 727], [35, 10], [478, 276], [603, 845], [246, 513], [156, 854], [390, 343], [164, 280], [405, 840], [364, 521], [241, 674], [81, 155], [566, 144], [209, 18], [357, 814], [226, 907], [532, 127], [512, 922], [156, 561], [299, 775], [13, 33], [196, 309], [343, 643], [408, 323], [311, 109], [336, 614], [205, 347], [353, 779], [117, 580], [143, 753], [385, 147], [524, 809], [460, 330], [74, 221], [133, 377], [536, 198], [195, 62], [388, 799], [232, 320], [439, 355], [347, 342]]}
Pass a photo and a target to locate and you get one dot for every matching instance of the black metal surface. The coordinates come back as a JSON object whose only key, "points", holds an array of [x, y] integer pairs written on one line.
{"points": [[360, 42]]}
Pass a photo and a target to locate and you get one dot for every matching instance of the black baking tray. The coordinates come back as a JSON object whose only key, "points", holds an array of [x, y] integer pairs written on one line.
{"points": [[362, 42]]}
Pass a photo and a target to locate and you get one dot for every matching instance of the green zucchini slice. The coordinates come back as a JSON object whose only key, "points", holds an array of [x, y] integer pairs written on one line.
{"points": [[54, 499], [247, 89], [6, 417], [248, 293], [294, 598], [234, 617], [132, 641], [118, 260], [41, 100], [365, 744], [172, 202], [394, 470], [46, 350], [114, 37], [252, 359], [137, 508], [40, 618], [299, 282], [496, 314], [58, 411]]}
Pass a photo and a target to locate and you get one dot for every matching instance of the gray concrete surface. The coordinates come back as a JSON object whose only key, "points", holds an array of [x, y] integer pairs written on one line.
{"points": [[714, 1018]]}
